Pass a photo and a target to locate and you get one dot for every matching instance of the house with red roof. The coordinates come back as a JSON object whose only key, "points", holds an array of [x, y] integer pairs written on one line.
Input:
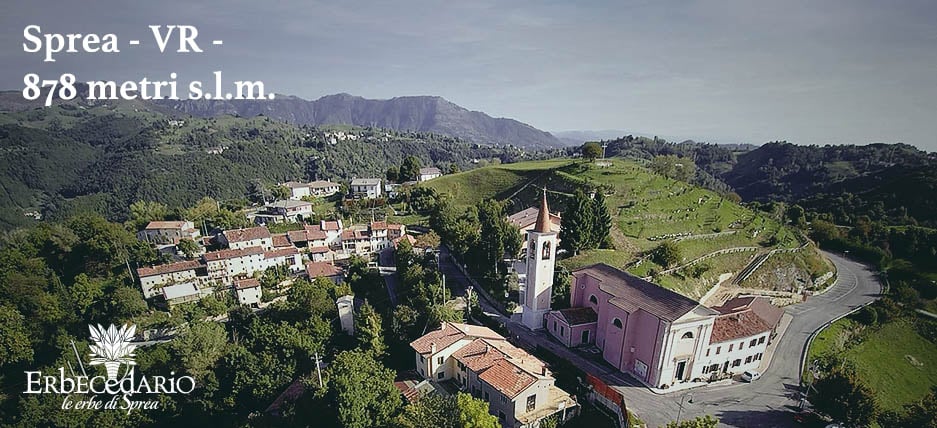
{"points": [[519, 388]]}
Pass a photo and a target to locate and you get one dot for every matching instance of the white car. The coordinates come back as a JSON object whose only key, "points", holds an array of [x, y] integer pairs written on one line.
{"points": [[750, 376]]}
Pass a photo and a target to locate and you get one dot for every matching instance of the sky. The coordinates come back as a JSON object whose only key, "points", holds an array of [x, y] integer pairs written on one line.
{"points": [[809, 72]]}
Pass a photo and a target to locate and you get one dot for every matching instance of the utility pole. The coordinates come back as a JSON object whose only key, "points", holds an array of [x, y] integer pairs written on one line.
{"points": [[318, 370]]}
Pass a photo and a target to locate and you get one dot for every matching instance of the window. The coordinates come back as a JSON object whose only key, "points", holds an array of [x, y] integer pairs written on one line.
{"points": [[758, 356], [504, 399], [718, 349], [441, 375], [707, 352], [730, 347], [748, 359], [687, 335], [616, 322], [593, 300], [714, 367], [753, 343], [741, 344], [547, 250], [562, 331], [500, 416], [554, 325], [422, 358], [705, 369], [737, 362], [761, 340], [461, 366], [531, 402], [439, 360]]}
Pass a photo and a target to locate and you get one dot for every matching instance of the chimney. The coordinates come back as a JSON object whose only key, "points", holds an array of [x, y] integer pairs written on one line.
{"points": [[543, 370], [432, 348], [487, 347]]}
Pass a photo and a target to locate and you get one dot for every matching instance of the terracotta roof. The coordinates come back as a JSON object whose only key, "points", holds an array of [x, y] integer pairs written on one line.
{"points": [[281, 252], [355, 234], [165, 225], [249, 234], [230, 254], [320, 269], [281, 240], [478, 355], [246, 283], [737, 326], [543, 215], [527, 217], [168, 268], [579, 316], [318, 250], [314, 233], [450, 333], [378, 225], [630, 292], [330, 225], [394, 226], [507, 378]]}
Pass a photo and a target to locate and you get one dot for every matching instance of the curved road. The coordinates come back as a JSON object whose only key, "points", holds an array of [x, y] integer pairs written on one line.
{"points": [[768, 402], [771, 400]]}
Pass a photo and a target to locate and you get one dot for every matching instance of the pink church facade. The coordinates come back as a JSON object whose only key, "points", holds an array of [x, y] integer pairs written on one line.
{"points": [[656, 335]]}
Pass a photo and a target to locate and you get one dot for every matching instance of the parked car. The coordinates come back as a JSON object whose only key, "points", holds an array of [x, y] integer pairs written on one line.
{"points": [[750, 376]]}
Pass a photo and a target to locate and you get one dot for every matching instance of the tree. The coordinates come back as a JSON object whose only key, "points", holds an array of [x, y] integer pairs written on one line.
{"points": [[561, 284], [667, 254], [923, 413], [281, 192], [143, 212], [431, 411], [843, 397], [576, 227], [473, 413], [363, 390], [126, 302], [705, 421], [591, 151], [188, 247], [200, 347], [368, 330], [602, 221], [85, 293], [674, 167], [795, 214], [410, 169], [392, 174], [14, 337]]}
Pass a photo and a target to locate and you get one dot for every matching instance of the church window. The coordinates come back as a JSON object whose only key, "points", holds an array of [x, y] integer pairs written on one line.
{"points": [[687, 335], [616, 322], [546, 251], [593, 300]]}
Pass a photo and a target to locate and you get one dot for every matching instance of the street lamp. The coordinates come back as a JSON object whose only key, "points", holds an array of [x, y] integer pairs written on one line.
{"points": [[683, 397]]}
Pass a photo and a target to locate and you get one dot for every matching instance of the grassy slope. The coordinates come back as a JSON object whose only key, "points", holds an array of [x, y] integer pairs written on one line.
{"points": [[882, 363], [643, 205]]}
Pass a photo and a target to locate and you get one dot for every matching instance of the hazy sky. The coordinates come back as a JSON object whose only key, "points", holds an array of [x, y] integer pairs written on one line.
{"points": [[855, 71]]}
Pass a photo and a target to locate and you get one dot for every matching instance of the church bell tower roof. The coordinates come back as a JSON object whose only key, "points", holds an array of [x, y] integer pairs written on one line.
{"points": [[543, 217]]}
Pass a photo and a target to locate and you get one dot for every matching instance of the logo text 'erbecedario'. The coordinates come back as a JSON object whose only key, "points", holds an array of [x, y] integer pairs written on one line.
{"points": [[110, 347]]}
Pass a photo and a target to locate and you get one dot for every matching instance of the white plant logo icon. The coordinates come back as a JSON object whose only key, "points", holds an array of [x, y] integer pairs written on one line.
{"points": [[112, 347]]}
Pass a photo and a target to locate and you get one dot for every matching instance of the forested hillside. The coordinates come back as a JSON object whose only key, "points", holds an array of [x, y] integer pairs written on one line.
{"points": [[79, 157]]}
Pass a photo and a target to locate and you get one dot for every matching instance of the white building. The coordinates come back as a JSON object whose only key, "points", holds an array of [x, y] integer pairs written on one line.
{"points": [[376, 237], [518, 387], [538, 281], [741, 334], [346, 313], [323, 188], [367, 188], [154, 277], [290, 210], [248, 291], [245, 238], [297, 190], [226, 265], [168, 232], [183, 293], [429, 173]]}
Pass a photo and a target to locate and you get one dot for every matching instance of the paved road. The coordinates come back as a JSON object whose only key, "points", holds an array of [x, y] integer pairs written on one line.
{"points": [[769, 402]]}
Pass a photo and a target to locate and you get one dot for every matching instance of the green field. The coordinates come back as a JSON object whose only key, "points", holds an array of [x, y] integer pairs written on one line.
{"points": [[894, 361], [645, 206]]}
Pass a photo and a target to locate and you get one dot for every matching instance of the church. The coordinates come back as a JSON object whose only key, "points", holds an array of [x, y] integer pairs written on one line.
{"points": [[658, 336]]}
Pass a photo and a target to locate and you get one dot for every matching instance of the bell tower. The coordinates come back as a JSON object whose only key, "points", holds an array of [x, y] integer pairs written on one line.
{"points": [[541, 260]]}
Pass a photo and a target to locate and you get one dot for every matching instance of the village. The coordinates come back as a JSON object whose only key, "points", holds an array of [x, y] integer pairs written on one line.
{"points": [[659, 338]]}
